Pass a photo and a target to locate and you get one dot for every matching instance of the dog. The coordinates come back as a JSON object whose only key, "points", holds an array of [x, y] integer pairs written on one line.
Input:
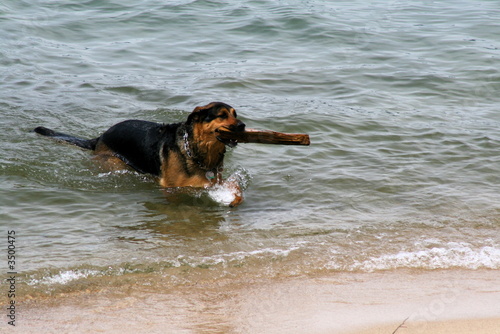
{"points": [[188, 154]]}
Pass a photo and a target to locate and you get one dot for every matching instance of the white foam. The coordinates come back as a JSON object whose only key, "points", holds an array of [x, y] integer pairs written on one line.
{"points": [[451, 255], [65, 277], [112, 173], [222, 194]]}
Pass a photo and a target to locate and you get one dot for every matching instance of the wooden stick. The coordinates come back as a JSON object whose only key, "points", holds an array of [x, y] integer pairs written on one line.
{"points": [[265, 137]]}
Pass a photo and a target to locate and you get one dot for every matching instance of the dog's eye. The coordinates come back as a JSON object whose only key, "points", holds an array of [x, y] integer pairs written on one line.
{"points": [[211, 117]]}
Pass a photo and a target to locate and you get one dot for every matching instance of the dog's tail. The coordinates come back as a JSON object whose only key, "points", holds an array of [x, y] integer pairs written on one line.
{"points": [[88, 144]]}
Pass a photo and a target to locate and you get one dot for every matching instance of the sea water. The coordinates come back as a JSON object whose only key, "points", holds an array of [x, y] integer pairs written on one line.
{"points": [[400, 98]]}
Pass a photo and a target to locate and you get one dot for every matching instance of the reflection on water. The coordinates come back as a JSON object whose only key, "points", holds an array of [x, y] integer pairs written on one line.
{"points": [[180, 220]]}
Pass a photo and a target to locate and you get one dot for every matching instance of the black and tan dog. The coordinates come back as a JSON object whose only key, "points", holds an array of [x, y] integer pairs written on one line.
{"points": [[188, 154]]}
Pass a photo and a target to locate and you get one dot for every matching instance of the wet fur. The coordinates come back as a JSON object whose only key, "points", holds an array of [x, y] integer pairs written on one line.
{"points": [[185, 154]]}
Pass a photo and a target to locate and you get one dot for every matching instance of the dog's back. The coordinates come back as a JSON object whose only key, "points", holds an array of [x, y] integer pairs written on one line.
{"points": [[139, 143]]}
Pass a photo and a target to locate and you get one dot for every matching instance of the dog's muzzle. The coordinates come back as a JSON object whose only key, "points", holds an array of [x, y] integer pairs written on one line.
{"points": [[239, 127]]}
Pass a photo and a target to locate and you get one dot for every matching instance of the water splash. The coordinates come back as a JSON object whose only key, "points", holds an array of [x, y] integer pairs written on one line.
{"points": [[227, 192]]}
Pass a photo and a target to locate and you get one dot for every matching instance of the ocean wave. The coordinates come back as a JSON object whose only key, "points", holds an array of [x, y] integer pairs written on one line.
{"points": [[231, 259], [235, 258], [64, 277], [451, 255]]}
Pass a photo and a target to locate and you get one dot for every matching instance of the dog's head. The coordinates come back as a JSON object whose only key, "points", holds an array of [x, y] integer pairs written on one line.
{"points": [[207, 119]]}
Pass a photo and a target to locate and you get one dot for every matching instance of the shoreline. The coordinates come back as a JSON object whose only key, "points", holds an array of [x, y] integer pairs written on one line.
{"points": [[350, 303]]}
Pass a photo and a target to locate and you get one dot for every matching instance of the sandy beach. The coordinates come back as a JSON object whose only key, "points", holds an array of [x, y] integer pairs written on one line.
{"points": [[384, 302], [466, 326]]}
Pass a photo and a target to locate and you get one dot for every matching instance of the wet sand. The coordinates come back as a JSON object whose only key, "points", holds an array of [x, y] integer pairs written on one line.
{"points": [[427, 302]]}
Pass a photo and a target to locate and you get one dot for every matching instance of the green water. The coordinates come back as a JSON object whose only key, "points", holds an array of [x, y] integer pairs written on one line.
{"points": [[400, 99]]}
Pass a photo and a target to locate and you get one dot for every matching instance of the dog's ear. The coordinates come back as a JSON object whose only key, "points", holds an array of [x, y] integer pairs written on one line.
{"points": [[199, 113], [196, 115]]}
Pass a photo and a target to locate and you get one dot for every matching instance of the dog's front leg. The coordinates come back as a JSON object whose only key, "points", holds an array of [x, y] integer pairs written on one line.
{"points": [[235, 188]]}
